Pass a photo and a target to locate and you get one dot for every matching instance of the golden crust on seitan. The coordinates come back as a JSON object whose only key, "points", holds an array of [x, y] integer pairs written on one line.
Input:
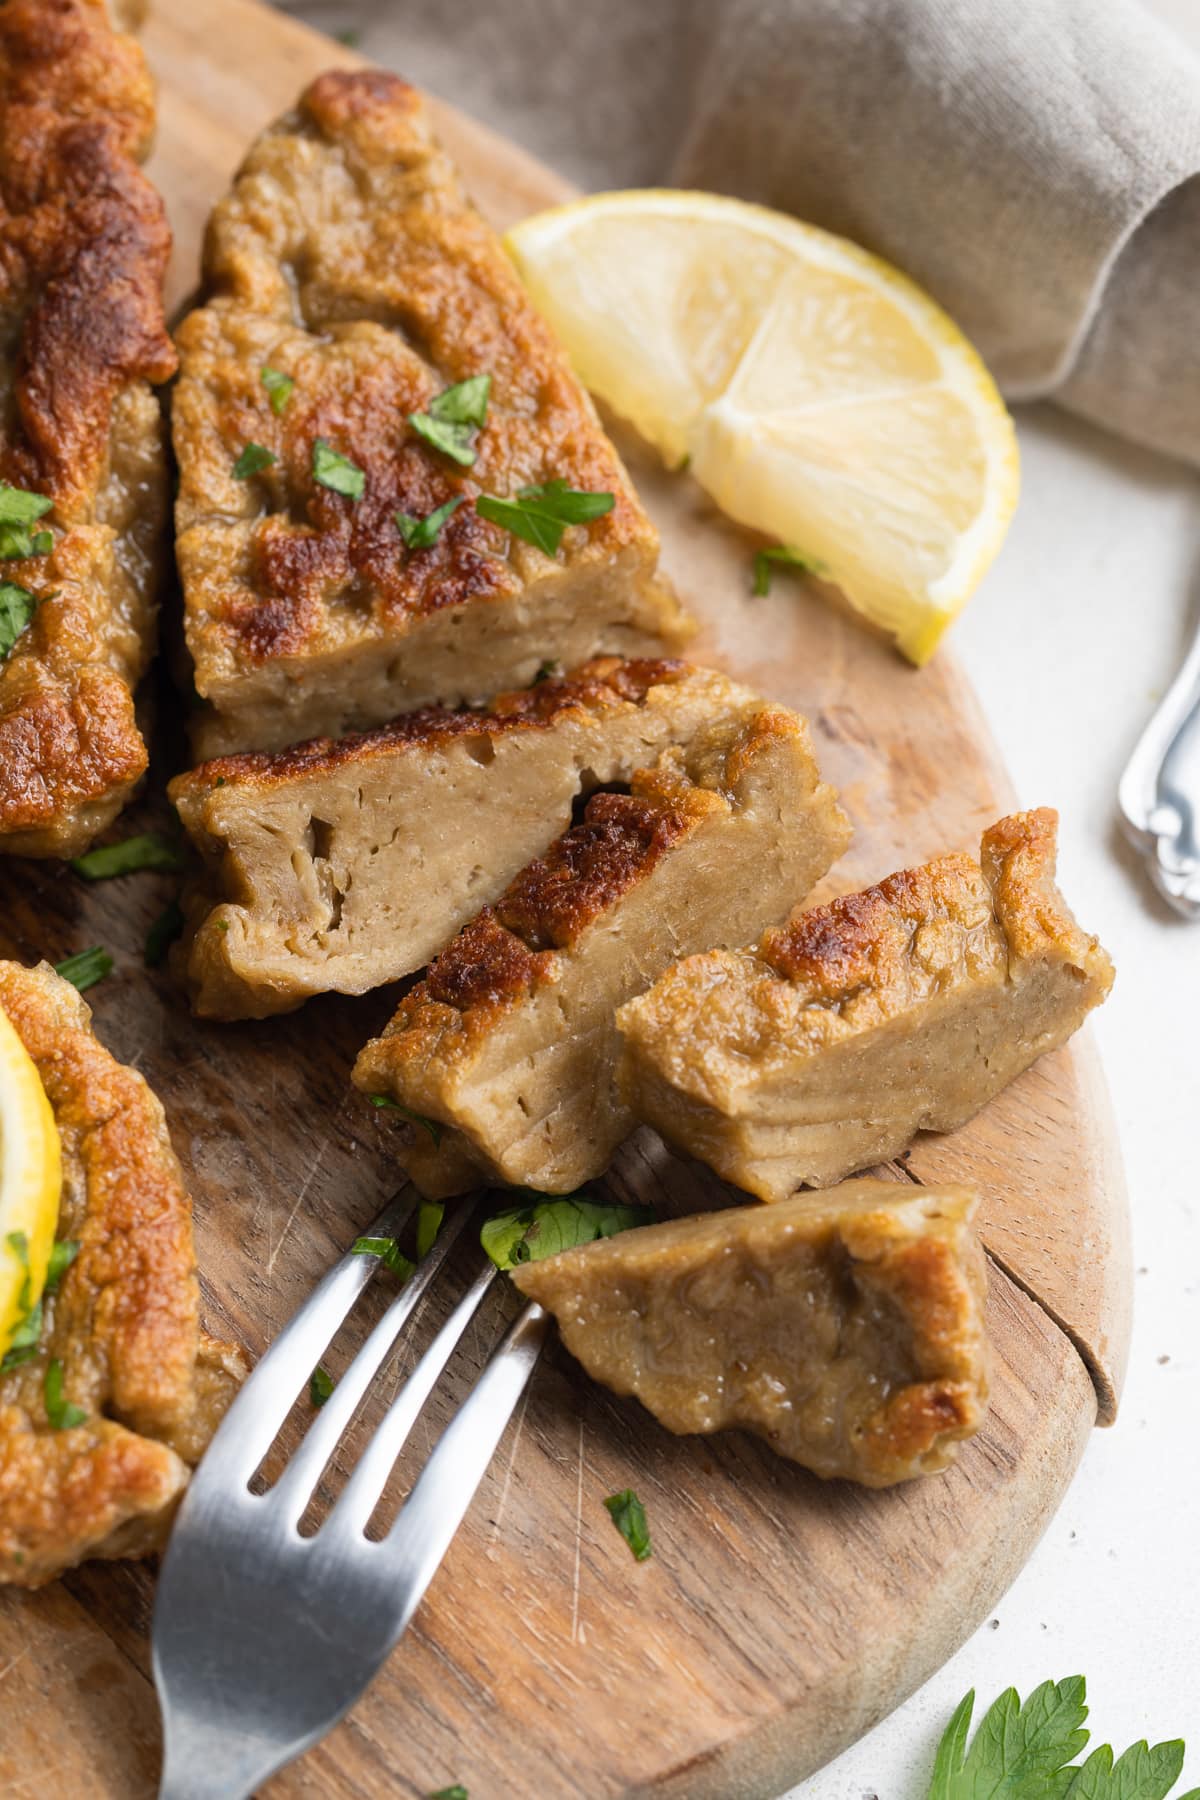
{"points": [[319, 862], [83, 250], [845, 1328], [124, 1322], [348, 258], [508, 1044], [855, 1025]]}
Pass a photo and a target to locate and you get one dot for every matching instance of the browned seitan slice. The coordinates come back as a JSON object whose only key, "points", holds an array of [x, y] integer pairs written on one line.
{"points": [[345, 864], [83, 250], [508, 1045], [348, 259], [900, 1009], [845, 1328], [123, 1324]]}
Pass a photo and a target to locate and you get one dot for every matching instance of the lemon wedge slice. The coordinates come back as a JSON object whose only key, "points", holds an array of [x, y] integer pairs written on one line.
{"points": [[819, 395], [30, 1184]]}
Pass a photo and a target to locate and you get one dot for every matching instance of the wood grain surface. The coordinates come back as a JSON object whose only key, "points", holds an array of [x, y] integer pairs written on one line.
{"points": [[779, 1617]]}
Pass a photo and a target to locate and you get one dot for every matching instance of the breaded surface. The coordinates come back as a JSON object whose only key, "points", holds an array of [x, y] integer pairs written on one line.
{"points": [[845, 1328], [83, 250], [124, 1322], [902, 1008], [508, 1045], [348, 258]]}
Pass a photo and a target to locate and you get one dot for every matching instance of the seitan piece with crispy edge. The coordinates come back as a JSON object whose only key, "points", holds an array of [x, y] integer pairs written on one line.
{"points": [[123, 1323], [845, 1328], [345, 864], [506, 1048], [348, 260], [904, 1008], [83, 250]]}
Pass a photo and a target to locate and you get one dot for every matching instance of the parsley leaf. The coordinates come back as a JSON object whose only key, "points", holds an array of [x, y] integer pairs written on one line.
{"points": [[24, 1340], [420, 533], [62, 1255], [162, 934], [320, 1385], [17, 607], [1027, 1753], [547, 671], [457, 1792], [529, 1233], [452, 416], [62, 1414], [779, 553], [19, 507], [387, 1250], [252, 461], [414, 1118], [85, 968], [629, 1516], [336, 472], [430, 1214], [279, 387], [151, 850], [540, 514]]}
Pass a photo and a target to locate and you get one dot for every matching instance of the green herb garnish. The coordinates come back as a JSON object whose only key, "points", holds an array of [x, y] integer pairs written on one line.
{"points": [[336, 472], [24, 1341], [430, 1214], [320, 1385], [252, 461], [151, 850], [162, 934], [420, 533], [457, 1792], [629, 1516], [279, 387], [62, 1414], [452, 416], [547, 671], [387, 1250], [794, 559], [540, 514], [414, 1118], [529, 1233], [62, 1255], [1028, 1753], [85, 968], [18, 511], [17, 607]]}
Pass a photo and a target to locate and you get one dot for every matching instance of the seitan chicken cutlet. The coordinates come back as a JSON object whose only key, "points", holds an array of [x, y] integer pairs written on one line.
{"points": [[506, 1049], [365, 383], [900, 1009], [122, 1327], [345, 864], [845, 1328], [83, 482]]}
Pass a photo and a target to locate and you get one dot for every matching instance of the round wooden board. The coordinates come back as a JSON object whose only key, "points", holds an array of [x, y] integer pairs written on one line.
{"points": [[780, 1617]]}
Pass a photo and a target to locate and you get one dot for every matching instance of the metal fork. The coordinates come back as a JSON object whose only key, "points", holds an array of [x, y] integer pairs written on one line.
{"points": [[263, 1639]]}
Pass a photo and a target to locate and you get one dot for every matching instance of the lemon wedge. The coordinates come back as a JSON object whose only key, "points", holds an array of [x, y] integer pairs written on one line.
{"points": [[30, 1184], [819, 395]]}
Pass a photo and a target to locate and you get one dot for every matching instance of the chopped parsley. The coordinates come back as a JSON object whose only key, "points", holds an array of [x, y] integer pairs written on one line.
{"points": [[162, 934], [320, 1385], [85, 968], [414, 1118], [629, 1516], [279, 387], [457, 1792], [18, 511], [151, 850], [547, 671], [452, 416], [430, 1214], [420, 533], [253, 460], [794, 559], [63, 1415], [387, 1250], [24, 1341], [540, 514], [62, 1255], [529, 1233], [336, 472], [17, 607]]}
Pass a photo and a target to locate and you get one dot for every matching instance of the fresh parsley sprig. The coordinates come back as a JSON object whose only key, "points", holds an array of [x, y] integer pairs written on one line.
{"points": [[452, 416], [422, 533], [540, 514], [149, 850], [531, 1232], [17, 607], [336, 472], [792, 559], [629, 1516], [1028, 1752], [19, 509], [85, 968]]}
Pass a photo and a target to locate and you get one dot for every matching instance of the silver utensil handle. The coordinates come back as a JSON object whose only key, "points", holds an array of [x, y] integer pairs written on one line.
{"points": [[1159, 794]]}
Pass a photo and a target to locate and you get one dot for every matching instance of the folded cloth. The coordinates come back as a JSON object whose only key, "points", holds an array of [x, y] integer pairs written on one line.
{"points": [[1035, 164]]}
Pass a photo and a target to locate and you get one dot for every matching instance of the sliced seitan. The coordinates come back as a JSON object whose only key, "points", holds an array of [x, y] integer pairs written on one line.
{"points": [[507, 1046], [340, 865], [845, 1328], [900, 1009]]}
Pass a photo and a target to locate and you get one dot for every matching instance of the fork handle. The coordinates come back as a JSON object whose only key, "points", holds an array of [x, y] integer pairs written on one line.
{"points": [[1160, 790]]}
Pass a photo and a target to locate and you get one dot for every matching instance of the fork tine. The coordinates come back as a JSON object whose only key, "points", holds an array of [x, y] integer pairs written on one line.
{"points": [[252, 1423], [294, 1488], [360, 1496]]}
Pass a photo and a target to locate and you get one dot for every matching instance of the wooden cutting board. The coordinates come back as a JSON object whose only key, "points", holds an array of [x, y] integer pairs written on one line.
{"points": [[779, 1617]]}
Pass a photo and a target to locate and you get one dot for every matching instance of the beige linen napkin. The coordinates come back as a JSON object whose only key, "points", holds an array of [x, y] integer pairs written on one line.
{"points": [[1034, 163]]}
